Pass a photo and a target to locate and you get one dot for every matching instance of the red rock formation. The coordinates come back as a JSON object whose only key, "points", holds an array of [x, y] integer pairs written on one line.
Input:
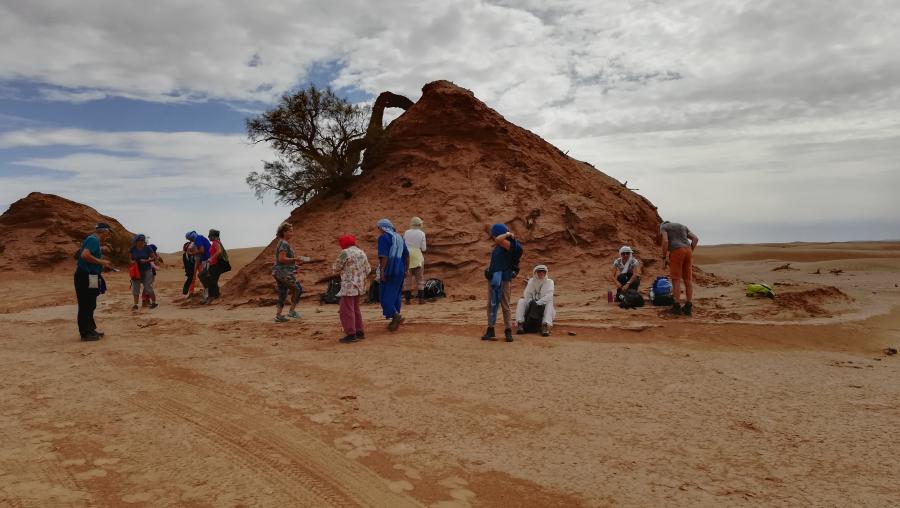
{"points": [[458, 164], [41, 232]]}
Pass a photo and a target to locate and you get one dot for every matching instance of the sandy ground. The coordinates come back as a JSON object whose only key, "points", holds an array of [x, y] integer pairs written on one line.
{"points": [[784, 402]]}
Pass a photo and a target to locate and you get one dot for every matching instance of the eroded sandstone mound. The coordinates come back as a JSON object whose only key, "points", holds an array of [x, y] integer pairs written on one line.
{"points": [[458, 164], [41, 232]]}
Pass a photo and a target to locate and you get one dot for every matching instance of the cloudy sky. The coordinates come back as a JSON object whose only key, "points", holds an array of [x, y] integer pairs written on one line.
{"points": [[749, 120]]}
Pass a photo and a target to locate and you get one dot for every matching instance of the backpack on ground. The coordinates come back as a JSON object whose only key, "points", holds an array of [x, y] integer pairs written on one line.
{"points": [[434, 288], [331, 293], [661, 292], [757, 289], [374, 294], [631, 299], [534, 317]]}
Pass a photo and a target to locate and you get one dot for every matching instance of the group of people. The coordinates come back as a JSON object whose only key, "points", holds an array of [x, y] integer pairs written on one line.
{"points": [[205, 260], [400, 268]]}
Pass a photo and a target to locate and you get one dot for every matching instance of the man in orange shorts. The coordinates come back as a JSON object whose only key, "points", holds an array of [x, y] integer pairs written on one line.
{"points": [[678, 244]]}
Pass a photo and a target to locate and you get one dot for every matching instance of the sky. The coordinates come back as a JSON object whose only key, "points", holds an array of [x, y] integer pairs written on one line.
{"points": [[747, 120]]}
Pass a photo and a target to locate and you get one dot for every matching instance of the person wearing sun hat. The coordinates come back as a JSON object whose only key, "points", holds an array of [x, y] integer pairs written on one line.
{"points": [[539, 290], [415, 242], [89, 266], [353, 267]]}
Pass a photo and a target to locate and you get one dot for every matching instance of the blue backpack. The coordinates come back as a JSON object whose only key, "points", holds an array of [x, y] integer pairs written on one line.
{"points": [[661, 291]]}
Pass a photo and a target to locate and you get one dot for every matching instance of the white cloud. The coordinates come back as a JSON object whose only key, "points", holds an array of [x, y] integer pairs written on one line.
{"points": [[160, 183], [716, 100]]}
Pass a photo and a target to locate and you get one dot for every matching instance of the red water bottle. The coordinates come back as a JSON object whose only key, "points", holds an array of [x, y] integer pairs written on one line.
{"points": [[609, 296]]}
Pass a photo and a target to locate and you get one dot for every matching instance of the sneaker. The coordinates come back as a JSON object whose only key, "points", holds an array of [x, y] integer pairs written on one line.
{"points": [[281, 319], [134, 307], [348, 339], [98, 332], [508, 334], [545, 330], [294, 314], [360, 336], [520, 330], [489, 334], [687, 309], [676, 309], [395, 323], [154, 305], [90, 337]]}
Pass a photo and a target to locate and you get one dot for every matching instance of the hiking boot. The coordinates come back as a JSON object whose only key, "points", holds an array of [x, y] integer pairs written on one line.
{"points": [[360, 336], [520, 329], [281, 319], [154, 305], [293, 314], [204, 301], [545, 330], [90, 337], [687, 309], [407, 295], [134, 307], [395, 323], [489, 334], [420, 296], [348, 339], [98, 332], [676, 309], [508, 334]]}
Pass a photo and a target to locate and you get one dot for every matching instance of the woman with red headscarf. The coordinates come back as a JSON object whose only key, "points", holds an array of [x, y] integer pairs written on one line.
{"points": [[354, 268]]}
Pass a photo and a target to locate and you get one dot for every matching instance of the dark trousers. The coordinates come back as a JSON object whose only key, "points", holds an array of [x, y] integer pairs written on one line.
{"points": [[87, 303], [210, 280], [623, 278]]}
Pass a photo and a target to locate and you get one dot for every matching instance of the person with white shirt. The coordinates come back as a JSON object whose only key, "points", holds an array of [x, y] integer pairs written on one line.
{"points": [[415, 243], [626, 272], [539, 290]]}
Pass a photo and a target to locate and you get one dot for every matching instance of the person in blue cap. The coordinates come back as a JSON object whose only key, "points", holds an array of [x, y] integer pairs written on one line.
{"points": [[143, 255], [88, 268], [503, 268], [202, 249]]}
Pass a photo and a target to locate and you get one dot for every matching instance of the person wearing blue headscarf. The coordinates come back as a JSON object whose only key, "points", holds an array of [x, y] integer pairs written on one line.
{"points": [[503, 268], [393, 258]]}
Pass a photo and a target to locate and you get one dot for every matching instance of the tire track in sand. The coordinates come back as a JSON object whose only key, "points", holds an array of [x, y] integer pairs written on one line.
{"points": [[311, 472]]}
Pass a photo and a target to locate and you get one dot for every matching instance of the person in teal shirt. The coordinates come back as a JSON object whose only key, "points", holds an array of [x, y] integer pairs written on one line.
{"points": [[90, 264]]}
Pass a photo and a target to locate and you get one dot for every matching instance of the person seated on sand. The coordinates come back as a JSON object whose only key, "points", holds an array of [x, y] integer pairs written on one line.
{"points": [[353, 266], [678, 244], [626, 272], [539, 290], [502, 270]]}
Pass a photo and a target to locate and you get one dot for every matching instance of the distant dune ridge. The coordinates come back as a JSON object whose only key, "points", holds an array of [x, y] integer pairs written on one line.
{"points": [[42, 232], [458, 164]]}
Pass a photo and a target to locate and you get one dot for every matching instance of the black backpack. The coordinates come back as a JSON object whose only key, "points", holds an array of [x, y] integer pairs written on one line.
{"points": [[434, 288], [631, 299], [534, 317], [331, 294], [374, 295]]}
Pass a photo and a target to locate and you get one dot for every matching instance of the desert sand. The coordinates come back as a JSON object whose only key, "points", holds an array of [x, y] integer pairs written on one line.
{"points": [[784, 402]]}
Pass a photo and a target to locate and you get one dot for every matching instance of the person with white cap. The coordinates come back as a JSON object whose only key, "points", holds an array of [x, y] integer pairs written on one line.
{"points": [[539, 290], [626, 272]]}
